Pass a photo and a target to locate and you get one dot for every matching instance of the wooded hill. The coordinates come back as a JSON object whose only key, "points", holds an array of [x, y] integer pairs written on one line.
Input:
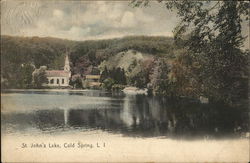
{"points": [[156, 63], [19, 51], [205, 58]]}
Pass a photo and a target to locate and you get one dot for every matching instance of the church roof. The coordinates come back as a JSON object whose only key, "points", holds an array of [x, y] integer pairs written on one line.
{"points": [[57, 73]]}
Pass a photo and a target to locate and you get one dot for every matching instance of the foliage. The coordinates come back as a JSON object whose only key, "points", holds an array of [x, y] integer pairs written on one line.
{"points": [[159, 82], [76, 82], [108, 83], [139, 72], [87, 53], [215, 65], [116, 74], [216, 48], [183, 75], [23, 78], [84, 55], [85, 84], [39, 77], [26, 76], [104, 74], [18, 54], [206, 59]]}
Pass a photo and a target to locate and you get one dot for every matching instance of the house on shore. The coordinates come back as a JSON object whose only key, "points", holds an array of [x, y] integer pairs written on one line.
{"points": [[93, 80]]}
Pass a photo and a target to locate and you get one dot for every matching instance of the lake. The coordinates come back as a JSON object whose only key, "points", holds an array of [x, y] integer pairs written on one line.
{"points": [[89, 115], [61, 111]]}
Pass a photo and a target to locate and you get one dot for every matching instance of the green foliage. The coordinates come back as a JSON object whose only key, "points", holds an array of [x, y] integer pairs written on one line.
{"points": [[215, 64], [18, 52], [184, 75], [159, 82], [23, 78], [108, 83], [205, 58], [39, 77], [76, 82], [135, 65], [116, 74], [85, 84], [26, 76], [87, 53], [139, 72], [50, 52], [218, 52], [105, 74]]}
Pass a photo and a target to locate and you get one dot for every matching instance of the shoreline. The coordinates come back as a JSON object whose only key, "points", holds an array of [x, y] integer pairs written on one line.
{"points": [[51, 90]]}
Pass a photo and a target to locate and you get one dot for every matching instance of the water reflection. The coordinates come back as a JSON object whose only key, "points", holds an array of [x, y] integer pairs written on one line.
{"points": [[132, 115]]}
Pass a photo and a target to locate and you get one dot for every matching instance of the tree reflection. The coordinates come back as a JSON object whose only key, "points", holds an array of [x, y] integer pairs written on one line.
{"points": [[139, 115], [157, 116]]}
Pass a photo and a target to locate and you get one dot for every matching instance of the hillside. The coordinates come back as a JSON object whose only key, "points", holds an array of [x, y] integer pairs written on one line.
{"points": [[36, 51], [93, 53], [125, 59]]}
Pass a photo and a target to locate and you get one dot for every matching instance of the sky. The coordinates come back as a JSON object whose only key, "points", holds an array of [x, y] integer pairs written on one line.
{"points": [[88, 20], [84, 20]]}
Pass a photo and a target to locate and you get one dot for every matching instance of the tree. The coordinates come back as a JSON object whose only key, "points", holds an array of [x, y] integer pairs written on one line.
{"points": [[183, 75], [139, 74], [108, 83], [231, 60], [116, 74], [159, 78], [26, 75], [210, 31], [39, 77], [104, 74], [119, 76], [76, 82], [123, 78]]}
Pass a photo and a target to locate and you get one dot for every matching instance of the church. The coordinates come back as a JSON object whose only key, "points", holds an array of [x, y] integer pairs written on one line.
{"points": [[59, 78]]}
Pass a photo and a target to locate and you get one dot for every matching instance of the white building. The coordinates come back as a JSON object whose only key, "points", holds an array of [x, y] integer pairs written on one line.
{"points": [[59, 78]]}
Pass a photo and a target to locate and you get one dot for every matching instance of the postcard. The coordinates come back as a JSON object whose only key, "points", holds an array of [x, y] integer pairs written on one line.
{"points": [[124, 81]]}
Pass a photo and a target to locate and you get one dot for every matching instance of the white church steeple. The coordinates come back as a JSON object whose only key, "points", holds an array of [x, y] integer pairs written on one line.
{"points": [[66, 65]]}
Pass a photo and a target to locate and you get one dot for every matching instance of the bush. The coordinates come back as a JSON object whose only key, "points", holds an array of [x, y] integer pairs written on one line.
{"points": [[108, 83]]}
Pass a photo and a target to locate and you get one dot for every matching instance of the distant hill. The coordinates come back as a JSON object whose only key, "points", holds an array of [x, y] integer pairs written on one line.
{"points": [[125, 59], [48, 51]]}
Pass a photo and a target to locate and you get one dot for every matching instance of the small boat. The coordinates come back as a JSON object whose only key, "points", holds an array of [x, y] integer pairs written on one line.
{"points": [[134, 90], [203, 100]]}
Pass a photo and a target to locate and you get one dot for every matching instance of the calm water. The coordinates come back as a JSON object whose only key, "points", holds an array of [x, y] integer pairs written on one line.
{"points": [[58, 112]]}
